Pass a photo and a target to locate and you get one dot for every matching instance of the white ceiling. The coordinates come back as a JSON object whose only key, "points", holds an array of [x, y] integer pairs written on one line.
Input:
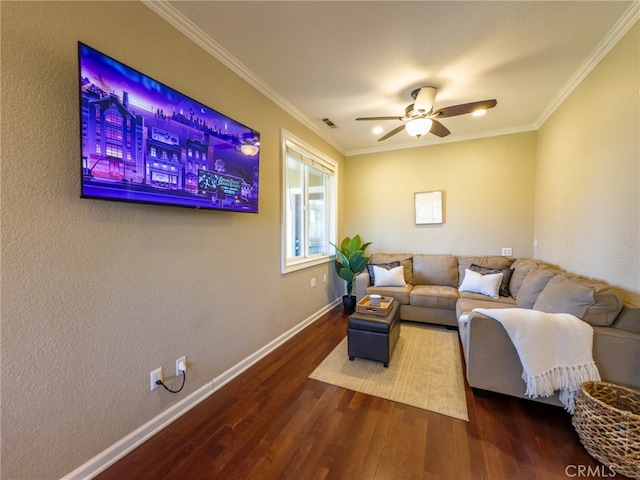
{"points": [[346, 59]]}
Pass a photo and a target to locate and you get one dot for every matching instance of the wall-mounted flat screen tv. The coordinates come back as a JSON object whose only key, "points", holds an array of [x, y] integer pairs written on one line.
{"points": [[144, 142]]}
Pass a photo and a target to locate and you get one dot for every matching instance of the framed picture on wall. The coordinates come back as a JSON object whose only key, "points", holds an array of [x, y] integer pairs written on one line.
{"points": [[428, 208]]}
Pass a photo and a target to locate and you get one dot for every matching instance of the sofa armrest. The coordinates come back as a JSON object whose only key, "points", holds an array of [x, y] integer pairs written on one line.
{"points": [[617, 355], [492, 361], [360, 284], [493, 364]]}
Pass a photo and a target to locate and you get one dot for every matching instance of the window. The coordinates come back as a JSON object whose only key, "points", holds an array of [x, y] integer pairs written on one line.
{"points": [[113, 117], [114, 150], [309, 187], [113, 133]]}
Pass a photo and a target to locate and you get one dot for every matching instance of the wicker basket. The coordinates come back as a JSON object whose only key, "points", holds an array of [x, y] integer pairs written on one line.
{"points": [[607, 419]]}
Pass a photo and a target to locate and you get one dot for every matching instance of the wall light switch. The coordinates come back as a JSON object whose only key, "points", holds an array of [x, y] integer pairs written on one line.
{"points": [[313, 282]]}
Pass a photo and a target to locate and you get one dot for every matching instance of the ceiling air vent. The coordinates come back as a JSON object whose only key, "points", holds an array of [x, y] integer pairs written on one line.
{"points": [[329, 123]]}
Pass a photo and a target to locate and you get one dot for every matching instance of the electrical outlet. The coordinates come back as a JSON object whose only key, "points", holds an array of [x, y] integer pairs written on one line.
{"points": [[507, 251], [154, 376], [313, 282], [183, 361]]}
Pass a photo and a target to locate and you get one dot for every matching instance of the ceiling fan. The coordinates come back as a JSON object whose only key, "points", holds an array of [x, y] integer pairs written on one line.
{"points": [[419, 117]]}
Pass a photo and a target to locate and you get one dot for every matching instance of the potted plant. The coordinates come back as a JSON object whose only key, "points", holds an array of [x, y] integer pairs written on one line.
{"points": [[350, 261]]}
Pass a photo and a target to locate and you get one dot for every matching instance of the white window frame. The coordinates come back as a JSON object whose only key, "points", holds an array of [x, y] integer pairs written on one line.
{"points": [[316, 159]]}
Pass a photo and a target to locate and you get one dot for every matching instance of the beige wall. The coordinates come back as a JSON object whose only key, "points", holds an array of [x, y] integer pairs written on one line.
{"points": [[95, 294], [573, 186], [588, 178], [488, 189]]}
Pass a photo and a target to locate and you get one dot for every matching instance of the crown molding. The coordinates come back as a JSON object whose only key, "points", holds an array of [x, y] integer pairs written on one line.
{"points": [[419, 143], [622, 26], [165, 10]]}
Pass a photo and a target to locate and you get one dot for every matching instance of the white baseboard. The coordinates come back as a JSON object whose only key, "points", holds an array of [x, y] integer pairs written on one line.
{"points": [[118, 450], [233, 372]]}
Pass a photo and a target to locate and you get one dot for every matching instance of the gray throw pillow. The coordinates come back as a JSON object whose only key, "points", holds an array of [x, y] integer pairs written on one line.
{"points": [[506, 277]]}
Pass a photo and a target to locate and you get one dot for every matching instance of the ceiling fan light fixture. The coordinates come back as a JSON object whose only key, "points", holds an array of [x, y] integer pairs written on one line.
{"points": [[418, 126], [421, 118]]}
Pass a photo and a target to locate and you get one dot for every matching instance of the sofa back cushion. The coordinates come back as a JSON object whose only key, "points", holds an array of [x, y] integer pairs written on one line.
{"points": [[628, 318], [521, 267], [403, 258], [532, 285], [435, 270], [607, 304], [594, 303], [562, 295]]}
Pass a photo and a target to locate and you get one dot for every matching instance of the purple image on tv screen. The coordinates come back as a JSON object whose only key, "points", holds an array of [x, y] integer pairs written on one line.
{"points": [[145, 142]]}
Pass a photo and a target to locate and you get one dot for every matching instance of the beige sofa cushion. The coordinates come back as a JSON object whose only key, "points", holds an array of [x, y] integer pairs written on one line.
{"points": [[607, 304], [469, 301], [403, 258], [435, 270], [434, 296], [562, 295], [532, 285], [521, 268], [595, 304], [628, 319], [399, 294]]}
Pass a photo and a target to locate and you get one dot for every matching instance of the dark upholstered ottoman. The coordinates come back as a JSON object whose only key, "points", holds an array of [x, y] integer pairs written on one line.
{"points": [[373, 336]]}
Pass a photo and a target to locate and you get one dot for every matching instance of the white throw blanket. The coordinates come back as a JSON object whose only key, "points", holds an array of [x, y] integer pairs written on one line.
{"points": [[555, 350]]}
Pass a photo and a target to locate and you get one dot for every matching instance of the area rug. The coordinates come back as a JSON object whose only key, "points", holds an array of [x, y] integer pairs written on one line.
{"points": [[425, 371]]}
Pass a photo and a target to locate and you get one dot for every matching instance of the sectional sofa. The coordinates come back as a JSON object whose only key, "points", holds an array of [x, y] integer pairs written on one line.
{"points": [[445, 289]]}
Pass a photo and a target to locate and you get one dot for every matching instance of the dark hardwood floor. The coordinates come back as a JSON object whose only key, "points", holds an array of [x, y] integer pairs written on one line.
{"points": [[272, 422]]}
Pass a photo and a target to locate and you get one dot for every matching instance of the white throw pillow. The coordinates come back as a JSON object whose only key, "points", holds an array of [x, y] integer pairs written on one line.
{"points": [[475, 282], [393, 277]]}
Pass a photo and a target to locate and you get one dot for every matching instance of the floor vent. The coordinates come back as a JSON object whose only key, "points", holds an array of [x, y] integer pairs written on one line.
{"points": [[329, 123]]}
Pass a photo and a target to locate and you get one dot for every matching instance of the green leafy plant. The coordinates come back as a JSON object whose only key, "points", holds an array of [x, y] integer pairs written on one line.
{"points": [[351, 260]]}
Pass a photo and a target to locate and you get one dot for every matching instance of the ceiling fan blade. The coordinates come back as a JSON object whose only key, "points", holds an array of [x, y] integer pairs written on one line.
{"points": [[439, 129], [392, 133], [379, 118], [464, 108]]}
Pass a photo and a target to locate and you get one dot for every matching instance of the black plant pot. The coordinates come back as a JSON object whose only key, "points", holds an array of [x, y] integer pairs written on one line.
{"points": [[349, 303]]}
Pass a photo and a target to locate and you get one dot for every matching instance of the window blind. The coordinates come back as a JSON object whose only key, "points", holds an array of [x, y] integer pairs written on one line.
{"points": [[311, 160]]}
